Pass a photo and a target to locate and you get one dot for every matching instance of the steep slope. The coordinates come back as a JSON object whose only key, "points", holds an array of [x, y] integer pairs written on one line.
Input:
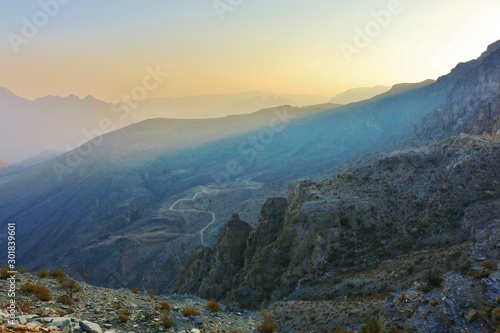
{"points": [[471, 107], [115, 195], [398, 205]]}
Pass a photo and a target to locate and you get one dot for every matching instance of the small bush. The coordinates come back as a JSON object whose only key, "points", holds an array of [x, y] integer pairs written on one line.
{"points": [[166, 321], [190, 311], [42, 273], [59, 275], [124, 316], [72, 286], [166, 306], [65, 299], [213, 305], [28, 287], [151, 293], [136, 291], [3, 273], [42, 293], [25, 307], [268, 325]]}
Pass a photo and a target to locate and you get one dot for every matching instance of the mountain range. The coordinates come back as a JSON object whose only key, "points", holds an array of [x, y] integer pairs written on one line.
{"points": [[154, 197]]}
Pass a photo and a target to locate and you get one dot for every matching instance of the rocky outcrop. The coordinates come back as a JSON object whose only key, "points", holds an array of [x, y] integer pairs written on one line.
{"points": [[472, 106], [405, 202], [96, 310], [209, 272]]}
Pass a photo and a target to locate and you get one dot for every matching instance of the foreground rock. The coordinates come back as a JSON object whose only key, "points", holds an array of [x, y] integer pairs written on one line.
{"points": [[101, 310]]}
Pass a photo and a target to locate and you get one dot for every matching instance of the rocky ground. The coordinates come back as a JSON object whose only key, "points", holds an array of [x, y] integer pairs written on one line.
{"points": [[94, 309]]}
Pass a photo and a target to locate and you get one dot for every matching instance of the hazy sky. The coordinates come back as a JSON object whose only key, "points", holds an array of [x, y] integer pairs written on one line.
{"points": [[102, 47]]}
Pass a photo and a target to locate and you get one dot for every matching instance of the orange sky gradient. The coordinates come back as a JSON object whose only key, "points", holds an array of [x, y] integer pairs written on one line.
{"points": [[101, 48]]}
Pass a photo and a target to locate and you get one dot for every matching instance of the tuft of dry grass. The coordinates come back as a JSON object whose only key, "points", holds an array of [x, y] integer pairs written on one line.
{"points": [[166, 321], [59, 275], [213, 305], [25, 307], [39, 290], [42, 273], [190, 311], [268, 325], [166, 306], [124, 316], [65, 299], [136, 291]]}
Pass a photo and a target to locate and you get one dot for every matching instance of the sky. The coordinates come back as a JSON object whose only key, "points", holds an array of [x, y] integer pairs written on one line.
{"points": [[104, 48]]}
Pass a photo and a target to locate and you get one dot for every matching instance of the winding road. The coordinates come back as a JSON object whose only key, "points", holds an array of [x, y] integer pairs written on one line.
{"points": [[206, 190]]}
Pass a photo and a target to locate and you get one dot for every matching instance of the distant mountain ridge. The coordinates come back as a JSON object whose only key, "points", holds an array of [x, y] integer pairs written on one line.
{"points": [[219, 105], [28, 128], [358, 94]]}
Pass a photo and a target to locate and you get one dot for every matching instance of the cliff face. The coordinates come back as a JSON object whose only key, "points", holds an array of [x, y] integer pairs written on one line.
{"points": [[471, 107], [303, 245], [210, 272]]}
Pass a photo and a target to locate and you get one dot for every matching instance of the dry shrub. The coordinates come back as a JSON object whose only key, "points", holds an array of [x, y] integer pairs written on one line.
{"points": [[42, 293], [166, 306], [25, 307], [213, 305], [190, 311], [136, 291], [124, 315], [59, 275], [151, 293], [166, 321], [4, 273], [42, 273], [65, 299], [268, 325]]}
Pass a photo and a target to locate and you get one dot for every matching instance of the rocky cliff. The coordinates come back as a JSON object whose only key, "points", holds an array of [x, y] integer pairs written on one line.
{"points": [[471, 107]]}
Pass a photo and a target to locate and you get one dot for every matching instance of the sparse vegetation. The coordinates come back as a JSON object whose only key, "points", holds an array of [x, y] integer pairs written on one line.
{"points": [[25, 306], [167, 321], [124, 315], [42, 273], [72, 287], [65, 299], [268, 325], [166, 306], [59, 275], [136, 291], [213, 305], [151, 293], [37, 289], [190, 311], [4, 273]]}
